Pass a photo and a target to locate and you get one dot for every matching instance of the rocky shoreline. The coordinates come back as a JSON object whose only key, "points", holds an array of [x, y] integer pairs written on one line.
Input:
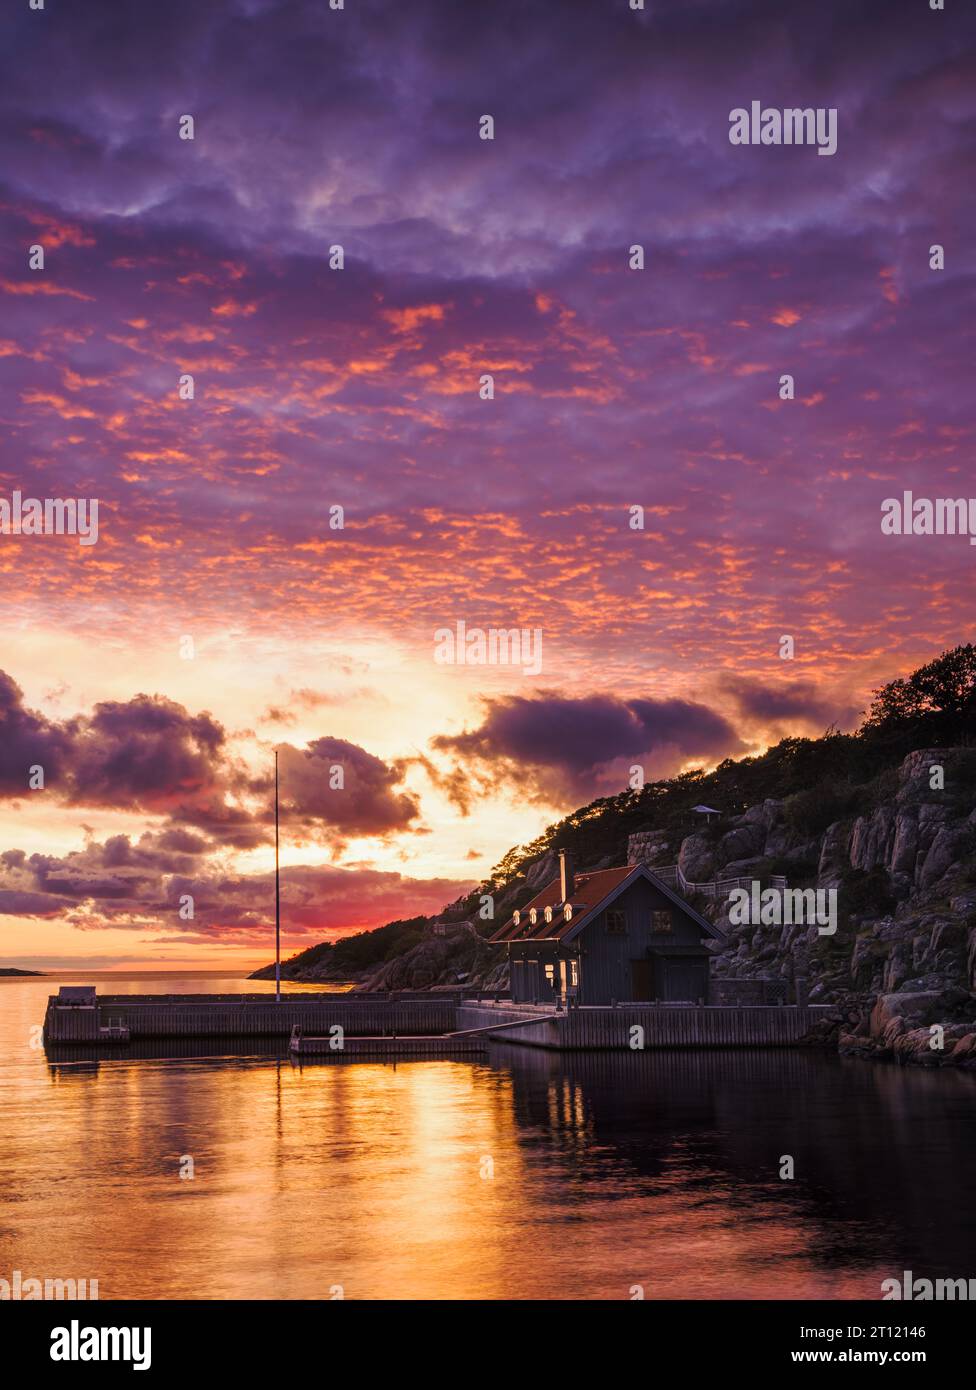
{"points": [[902, 965], [900, 853]]}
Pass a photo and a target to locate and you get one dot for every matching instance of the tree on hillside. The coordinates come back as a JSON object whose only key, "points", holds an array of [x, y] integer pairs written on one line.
{"points": [[938, 700]]}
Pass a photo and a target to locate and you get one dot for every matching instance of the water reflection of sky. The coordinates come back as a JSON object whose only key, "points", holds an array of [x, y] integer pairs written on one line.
{"points": [[526, 1175]]}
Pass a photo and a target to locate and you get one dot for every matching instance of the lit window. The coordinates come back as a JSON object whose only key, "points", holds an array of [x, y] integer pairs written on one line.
{"points": [[661, 922], [616, 924], [573, 974], [550, 974]]}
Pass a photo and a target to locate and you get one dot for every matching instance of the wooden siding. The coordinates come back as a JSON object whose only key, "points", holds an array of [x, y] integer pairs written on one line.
{"points": [[189, 1016], [528, 976], [605, 974], [665, 1026], [73, 1025]]}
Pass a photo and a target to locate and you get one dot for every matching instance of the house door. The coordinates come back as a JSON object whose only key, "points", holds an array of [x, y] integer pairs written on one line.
{"points": [[686, 979], [641, 979]]}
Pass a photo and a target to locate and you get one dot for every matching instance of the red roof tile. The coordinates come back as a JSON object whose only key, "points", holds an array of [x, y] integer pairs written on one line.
{"points": [[589, 891]]}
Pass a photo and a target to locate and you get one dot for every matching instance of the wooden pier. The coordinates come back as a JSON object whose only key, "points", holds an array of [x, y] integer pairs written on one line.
{"points": [[436, 1045], [665, 1026], [120, 1017], [416, 1025]]}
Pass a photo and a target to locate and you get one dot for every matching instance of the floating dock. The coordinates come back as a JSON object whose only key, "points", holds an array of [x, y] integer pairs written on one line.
{"points": [[436, 1045], [432, 1024]]}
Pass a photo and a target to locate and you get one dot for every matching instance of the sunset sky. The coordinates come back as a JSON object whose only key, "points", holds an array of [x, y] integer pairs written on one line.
{"points": [[359, 388]]}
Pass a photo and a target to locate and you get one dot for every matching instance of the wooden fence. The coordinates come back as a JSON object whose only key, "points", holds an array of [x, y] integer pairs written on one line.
{"points": [[719, 888]]}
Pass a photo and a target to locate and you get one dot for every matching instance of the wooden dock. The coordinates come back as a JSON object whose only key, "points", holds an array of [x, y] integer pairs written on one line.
{"points": [[416, 1025], [665, 1026], [120, 1017], [435, 1045]]}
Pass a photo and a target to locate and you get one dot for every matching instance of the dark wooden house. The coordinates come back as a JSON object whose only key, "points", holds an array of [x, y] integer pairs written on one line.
{"points": [[613, 935]]}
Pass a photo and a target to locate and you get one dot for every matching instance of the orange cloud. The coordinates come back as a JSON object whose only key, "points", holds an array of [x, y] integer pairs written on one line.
{"points": [[406, 320], [231, 309], [41, 287], [888, 287], [64, 408]]}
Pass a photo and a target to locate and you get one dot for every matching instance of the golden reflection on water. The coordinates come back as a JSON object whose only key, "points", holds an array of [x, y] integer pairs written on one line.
{"points": [[527, 1175]]}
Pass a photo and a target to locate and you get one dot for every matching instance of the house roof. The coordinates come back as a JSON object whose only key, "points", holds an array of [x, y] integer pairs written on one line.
{"points": [[591, 894]]}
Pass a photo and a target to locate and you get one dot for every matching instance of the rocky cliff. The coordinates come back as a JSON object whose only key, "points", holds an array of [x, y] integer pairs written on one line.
{"points": [[902, 962], [895, 839], [902, 859]]}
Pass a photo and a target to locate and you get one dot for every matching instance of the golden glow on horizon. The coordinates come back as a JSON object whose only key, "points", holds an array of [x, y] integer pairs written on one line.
{"points": [[385, 695]]}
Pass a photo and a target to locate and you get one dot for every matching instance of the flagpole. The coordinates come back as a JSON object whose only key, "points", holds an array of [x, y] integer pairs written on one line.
{"points": [[277, 897]]}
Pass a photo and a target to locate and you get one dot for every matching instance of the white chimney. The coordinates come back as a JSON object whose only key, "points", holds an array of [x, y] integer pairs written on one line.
{"points": [[566, 881]]}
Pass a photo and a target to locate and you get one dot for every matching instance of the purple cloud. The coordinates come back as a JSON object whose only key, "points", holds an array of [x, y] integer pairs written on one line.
{"points": [[560, 747]]}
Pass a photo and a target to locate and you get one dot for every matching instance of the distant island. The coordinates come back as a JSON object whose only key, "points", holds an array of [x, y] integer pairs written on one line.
{"points": [[11, 971]]}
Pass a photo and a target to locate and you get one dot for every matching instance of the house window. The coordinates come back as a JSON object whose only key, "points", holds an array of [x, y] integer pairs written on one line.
{"points": [[573, 973], [661, 922], [550, 974], [616, 924]]}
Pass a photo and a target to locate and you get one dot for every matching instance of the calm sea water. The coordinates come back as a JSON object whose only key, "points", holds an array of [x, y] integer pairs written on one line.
{"points": [[526, 1175]]}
